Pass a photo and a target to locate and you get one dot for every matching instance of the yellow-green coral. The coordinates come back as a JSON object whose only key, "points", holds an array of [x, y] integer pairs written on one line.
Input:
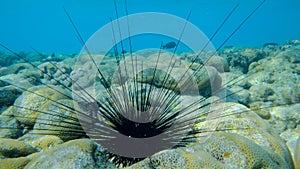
{"points": [[46, 142], [239, 119], [232, 138], [13, 148], [61, 122], [235, 151], [14, 163], [32, 101], [221, 150], [80, 153], [10, 126]]}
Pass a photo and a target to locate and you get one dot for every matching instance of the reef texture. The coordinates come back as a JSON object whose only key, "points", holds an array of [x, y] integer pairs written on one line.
{"points": [[257, 125], [248, 142]]}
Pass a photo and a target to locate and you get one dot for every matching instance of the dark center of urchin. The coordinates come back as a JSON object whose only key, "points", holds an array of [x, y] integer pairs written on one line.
{"points": [[141, 125], [139, 130]]}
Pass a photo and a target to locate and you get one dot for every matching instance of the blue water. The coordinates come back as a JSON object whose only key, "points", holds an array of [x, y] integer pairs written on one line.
{"points": [[44, 25]]}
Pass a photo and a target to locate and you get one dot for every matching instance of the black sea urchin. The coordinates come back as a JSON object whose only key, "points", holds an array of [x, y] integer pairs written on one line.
{"points": [[135, 104]]}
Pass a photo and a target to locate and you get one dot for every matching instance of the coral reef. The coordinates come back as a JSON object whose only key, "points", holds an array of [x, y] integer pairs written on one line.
{"points": [[256, 145], [32, 101], [10, 148], [81, 153], [11, 127], [260, 130], [61, 122]]}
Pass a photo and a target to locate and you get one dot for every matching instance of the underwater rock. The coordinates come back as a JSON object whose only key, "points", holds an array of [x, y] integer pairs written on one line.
{"points": [[22, 81], [8, 95], [40, 142], [55, 73], [15, 163], [178, 80], [277, 74], [262, 93], [240, 59], [292, 137], [293, 42], [81, 153], [297, 154], [239, 119], [236, 86], [10, 148], [32, 101], [221, 150], [290, 56], [227, 150], [295, 93], [208, 80], [10, 127], [17, 78], [46, 142], [218, 62], [262, 109], [7, 59], [164, 159], [271, 48], [84, 72], [238, 94], [82, 77], [98, 58], [288, 116], [58, 57], [15, 68], [58, 121], [247, 142]]}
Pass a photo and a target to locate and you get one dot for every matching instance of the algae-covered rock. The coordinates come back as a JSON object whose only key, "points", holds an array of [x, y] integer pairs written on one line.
{"points": [[292, 137], [285, 117], [46, 142], [295, 94], [55, 73], [218, 62], [238, 94], [8, 95], [276, 77], [238, 119], [235, 151], [14, 163], [240, 140], [85, 71], [221, 150], [58, 119], [21, 76], [7, 58], [10, 127], [81, 153], [262, 93], [271, 48], [170, 72], [15, 68], [11, 148], [262, 109], [239, 59], [32, 102]]}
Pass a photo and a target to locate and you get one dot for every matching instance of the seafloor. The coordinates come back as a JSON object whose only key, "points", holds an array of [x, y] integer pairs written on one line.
{"points": [[258, 126]]}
